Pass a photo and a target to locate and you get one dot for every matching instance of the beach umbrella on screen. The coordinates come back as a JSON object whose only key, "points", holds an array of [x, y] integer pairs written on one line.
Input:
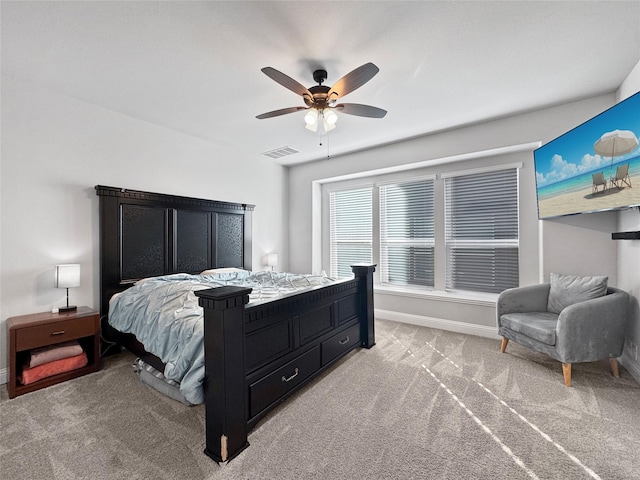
{"points": [[615, 143]]}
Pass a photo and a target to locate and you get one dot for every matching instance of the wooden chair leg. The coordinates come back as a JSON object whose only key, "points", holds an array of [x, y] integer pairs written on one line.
{"points": [[566, 371], [503, 347], [614, 367]]}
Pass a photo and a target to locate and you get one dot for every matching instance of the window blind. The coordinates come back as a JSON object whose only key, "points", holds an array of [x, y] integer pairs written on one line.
{"points": [[350, 225], [481, 231], [407, 233]]}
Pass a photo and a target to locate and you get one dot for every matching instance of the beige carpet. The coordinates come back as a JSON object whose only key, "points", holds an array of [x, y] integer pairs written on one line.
{"points": [[421, 404]]}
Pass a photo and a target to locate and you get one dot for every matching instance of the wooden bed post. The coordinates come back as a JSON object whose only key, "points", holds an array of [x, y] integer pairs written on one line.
{"points": [[364, 273], [224, 380]]}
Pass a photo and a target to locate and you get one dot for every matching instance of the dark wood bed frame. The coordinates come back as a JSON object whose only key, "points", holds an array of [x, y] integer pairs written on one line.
{"points": [[256, 354]]}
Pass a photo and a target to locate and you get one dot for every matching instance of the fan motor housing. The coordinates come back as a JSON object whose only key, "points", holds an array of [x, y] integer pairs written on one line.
{"points": [[320, 76], [320, 98]]}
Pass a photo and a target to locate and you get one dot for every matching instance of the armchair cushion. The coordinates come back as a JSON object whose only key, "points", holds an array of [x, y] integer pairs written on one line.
{"points": [[568, 289], [540, 326]]}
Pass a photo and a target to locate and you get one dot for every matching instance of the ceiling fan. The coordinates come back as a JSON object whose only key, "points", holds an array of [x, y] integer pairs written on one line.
{"points": [[320, 100]]}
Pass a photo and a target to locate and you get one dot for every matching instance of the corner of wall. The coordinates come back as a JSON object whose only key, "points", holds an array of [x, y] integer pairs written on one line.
{"points": [[630, 85]]}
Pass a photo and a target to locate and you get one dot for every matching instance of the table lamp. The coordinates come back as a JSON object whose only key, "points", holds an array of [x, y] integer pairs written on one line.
{"points": [[272, 260], [67, 276]]}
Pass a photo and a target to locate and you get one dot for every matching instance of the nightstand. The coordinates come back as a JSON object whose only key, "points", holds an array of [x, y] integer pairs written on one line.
{"points": [[27, 332]]}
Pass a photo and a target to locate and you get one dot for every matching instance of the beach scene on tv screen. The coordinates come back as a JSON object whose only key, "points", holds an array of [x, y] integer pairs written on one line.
{"points": [[594, 167]]}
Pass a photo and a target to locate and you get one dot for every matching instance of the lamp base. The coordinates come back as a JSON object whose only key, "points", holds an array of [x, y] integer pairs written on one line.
{"points": [[69, 308]]}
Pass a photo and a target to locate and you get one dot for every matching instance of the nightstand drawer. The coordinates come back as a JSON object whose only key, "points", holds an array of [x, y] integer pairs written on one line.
{"points": [[54, 332]]}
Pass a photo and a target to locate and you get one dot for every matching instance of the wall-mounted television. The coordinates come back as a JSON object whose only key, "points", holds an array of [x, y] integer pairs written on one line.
{"points": [[594, 167]]}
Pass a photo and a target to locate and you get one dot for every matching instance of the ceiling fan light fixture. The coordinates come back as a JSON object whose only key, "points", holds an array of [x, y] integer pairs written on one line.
{"points": [[327, 126], [330, 116], [311, 118]]}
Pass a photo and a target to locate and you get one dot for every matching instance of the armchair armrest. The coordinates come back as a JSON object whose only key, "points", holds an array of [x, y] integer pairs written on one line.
{"points": [[593, 329], [532, 298]]}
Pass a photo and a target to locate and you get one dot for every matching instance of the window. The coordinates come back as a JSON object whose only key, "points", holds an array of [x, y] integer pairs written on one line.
{"points": [[481, 231], [407, 233], [350, 225], [451, 231]]}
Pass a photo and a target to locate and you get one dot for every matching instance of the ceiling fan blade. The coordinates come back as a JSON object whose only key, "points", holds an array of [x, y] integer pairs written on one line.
{"points": [[353, 80], [361, 110], [282, 111], [286, 81]]}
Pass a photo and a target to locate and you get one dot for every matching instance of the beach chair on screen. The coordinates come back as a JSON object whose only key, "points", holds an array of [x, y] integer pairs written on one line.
{"points": [[622, 177], [598, 179]]}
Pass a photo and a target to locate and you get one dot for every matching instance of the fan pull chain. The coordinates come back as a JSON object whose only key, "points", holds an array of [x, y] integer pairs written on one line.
{"points": [[326, 140], [328, 156]]}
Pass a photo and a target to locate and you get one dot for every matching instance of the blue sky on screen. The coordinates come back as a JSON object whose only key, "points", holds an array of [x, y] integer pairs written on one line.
{"points": [[573, 154]]}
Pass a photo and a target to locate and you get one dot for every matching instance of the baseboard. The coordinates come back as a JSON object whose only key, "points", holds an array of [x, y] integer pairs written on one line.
{"points": [[4, 376], [631, 366], [442, 324]]}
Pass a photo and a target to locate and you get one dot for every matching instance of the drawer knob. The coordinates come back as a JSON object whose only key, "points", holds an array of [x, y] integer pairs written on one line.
{"points": [[342, 342], [288, 379], [60, 332]]}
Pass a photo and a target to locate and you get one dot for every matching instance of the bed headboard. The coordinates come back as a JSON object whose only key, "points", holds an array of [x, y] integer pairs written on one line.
{"points": [[146, 234]]}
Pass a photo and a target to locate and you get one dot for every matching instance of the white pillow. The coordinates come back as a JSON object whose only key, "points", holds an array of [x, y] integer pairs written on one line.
{"points": [[568, 289], [222, 270]]}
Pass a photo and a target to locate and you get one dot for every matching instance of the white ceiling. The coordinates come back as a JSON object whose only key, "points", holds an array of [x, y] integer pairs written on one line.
{"points": [[195, 67]]}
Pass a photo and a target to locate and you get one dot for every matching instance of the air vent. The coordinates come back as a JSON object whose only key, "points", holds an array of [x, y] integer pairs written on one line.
{"points": [[280, 152]]}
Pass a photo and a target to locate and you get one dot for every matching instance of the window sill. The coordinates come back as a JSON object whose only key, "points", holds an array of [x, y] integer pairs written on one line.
{"points": [[470, 298]]}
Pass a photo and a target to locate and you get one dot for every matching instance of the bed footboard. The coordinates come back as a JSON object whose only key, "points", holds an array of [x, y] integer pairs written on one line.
{"points": [[257, 355]]}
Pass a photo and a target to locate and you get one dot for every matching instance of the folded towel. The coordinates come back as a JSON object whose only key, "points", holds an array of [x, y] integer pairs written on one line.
{"points": [[39, 356], [30, 375]]}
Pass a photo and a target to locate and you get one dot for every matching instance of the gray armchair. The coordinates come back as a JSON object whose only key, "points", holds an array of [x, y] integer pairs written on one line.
{"points": [[584, 331]]}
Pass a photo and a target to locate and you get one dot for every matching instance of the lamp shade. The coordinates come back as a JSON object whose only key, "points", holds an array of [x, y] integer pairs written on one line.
{"points": [[67, 275], [311, 117], [330, 116], [272, 259]]}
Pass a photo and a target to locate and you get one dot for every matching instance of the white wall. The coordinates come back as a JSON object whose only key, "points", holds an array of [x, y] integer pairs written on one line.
{"points": [[564, 242], [629, 255], [55, 149], [580, 245]]}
